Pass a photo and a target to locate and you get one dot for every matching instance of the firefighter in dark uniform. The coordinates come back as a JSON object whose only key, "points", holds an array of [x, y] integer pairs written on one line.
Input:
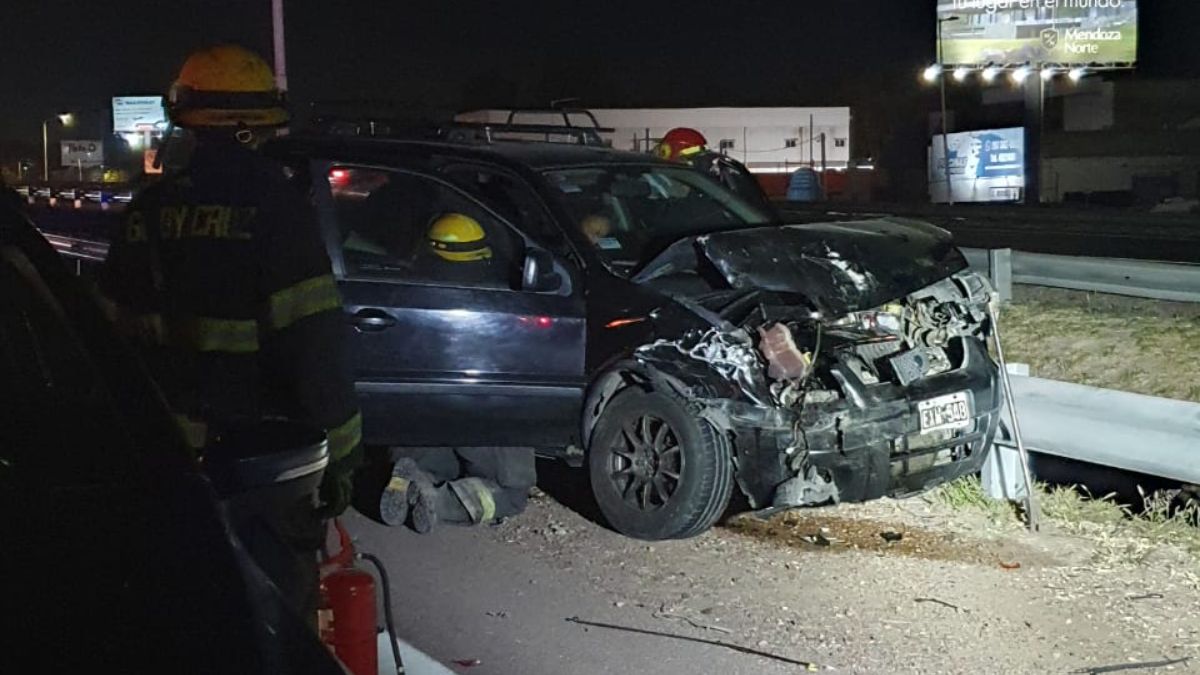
{"points": [[690, 147], [220, 276], [466, 486]]}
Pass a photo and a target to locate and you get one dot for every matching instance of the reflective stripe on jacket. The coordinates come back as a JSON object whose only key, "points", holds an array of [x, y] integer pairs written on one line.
{"points": [[220, 273]]}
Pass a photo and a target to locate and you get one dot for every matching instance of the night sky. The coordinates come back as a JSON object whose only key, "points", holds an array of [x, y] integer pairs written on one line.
{"points": [[75, 55]]}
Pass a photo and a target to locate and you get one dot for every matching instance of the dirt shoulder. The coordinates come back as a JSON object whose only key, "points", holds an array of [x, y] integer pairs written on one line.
{"points": [[1141, 346], [953, 593]]}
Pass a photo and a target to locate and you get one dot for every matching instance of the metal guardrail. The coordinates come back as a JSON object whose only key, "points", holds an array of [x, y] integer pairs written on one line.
{"points": [[1138, 278], [95, 251], [1130, 432]]}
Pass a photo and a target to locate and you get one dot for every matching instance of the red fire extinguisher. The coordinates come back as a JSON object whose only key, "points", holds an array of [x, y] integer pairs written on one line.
{"points": [[346, 618]]}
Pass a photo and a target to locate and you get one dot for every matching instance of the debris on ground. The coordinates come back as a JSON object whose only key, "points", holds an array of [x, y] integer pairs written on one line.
{"points": [[807, 665], [818, 529], [662, 613], [1075, 603]]}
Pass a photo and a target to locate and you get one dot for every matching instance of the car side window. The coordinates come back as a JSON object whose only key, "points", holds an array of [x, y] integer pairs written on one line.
{"points": [[511, 198], [408, 227]]}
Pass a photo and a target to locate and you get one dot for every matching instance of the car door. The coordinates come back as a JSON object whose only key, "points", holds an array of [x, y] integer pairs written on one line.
{"points": [[450, 346]]}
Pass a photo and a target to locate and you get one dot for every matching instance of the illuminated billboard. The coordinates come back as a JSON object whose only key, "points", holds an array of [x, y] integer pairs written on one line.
{"points": [[1063, 32], [138, 113], [985, 166], [82, 153]]}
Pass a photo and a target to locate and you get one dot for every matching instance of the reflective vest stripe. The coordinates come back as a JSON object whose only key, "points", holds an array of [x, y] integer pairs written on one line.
{"points": [[205, 334], [195, 433], [302, 300], [343, 439], [197, 333], [488, 502]]}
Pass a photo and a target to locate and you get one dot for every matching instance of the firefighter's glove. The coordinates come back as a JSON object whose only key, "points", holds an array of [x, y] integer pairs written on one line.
{"points": [[337, 487]]}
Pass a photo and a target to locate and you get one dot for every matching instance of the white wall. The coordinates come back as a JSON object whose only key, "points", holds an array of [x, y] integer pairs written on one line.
{"points": [[760, 135]]}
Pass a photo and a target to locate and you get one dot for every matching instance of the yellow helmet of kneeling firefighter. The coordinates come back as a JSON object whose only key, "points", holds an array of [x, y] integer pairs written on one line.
{"points": [[459, 238]]}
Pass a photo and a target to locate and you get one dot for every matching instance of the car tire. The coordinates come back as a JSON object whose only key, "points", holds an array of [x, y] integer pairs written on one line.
{"points": [[657, 470]]}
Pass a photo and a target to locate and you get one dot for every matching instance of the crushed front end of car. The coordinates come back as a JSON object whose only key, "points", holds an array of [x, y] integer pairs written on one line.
{"points": [[846, 362]]}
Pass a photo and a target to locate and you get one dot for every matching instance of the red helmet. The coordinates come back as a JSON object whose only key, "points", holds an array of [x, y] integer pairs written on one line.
{"points": [[680, 142]]}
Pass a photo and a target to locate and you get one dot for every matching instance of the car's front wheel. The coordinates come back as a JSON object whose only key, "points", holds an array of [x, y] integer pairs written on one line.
{"points": [[658, 471]]}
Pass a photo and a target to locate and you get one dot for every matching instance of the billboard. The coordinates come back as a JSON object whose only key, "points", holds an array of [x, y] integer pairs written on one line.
{"points": [[82, 153], [985, 166], [138, 113], [1063, 32]]}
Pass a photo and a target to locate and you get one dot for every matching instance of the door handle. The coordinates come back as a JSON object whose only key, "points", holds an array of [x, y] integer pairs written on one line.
{"points": [[372, 320]]}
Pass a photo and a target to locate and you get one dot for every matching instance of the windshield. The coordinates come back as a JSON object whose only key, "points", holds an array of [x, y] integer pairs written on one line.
{"points": [[630, 212]]}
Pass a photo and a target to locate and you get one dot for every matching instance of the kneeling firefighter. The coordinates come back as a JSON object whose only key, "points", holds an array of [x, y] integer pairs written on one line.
{"points": [[466, 486], [688, 146], [220, 276]]}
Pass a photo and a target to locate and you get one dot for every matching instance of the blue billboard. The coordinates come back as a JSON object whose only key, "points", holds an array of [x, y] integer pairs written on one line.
{"points": [[984, 166]]}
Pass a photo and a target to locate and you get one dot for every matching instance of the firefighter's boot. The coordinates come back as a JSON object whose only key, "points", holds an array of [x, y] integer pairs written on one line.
{"points": [[402, 491]]}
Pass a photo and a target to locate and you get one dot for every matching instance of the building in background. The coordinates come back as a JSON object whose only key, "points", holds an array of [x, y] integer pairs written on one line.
{"points": [[766, 140], [771, 142], [1114, 140], [1124, 142]]}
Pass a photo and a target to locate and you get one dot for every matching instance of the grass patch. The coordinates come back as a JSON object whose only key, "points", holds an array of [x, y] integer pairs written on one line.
{"points": [[1121, 533], [966, 494], [1135, 348]]}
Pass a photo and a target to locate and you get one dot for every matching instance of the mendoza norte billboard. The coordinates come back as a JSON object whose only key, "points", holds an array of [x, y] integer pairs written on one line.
{"points": [[985, 166], [1064, 32]]}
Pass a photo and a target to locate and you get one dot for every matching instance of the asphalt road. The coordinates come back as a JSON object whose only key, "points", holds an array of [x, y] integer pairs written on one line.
{"points": [[464, 594]]}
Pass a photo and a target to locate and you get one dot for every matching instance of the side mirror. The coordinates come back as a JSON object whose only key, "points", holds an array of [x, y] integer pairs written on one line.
{"points": [[539, 275]]}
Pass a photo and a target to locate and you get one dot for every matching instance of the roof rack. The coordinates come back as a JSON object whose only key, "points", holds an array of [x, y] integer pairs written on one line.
{"points": [[583, 135], [565, 112], [386, 123], [487, 132]]}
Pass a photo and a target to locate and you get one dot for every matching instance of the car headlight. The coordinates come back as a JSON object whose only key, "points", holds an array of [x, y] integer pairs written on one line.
{"points": [[886, 321]]}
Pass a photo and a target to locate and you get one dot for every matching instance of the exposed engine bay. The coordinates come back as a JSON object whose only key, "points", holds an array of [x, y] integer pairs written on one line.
{"points": [[825, 405]]}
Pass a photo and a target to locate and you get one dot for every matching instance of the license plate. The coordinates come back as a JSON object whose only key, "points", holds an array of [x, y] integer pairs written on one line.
{"points": [[952, 411]]}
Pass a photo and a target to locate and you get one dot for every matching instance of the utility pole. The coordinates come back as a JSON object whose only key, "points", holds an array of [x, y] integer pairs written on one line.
{"points": [[277, 40], [1035, 116], [812, 138], [945, 128]]}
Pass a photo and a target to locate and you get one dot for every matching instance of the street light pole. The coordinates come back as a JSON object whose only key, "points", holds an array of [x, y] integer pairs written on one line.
{"points": [[945, 128], [277, 40], [66, 119]]}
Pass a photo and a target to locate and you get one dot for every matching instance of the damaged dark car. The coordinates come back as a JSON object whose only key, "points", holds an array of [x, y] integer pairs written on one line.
{"points": [[639, 319]]}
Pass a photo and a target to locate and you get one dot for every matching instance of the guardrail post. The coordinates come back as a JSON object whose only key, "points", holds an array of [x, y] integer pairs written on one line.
{"points": [[1001, 473], [1000, 270]]}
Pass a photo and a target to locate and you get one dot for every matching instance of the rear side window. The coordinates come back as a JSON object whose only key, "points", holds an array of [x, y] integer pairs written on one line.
{"points": [[408, 227]]}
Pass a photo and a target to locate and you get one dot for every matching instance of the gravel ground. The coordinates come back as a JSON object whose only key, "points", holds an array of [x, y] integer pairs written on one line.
{"points": [[951, 602], [956, 593]]}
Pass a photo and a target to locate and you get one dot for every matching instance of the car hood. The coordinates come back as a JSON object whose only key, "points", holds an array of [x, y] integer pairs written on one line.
{"points": [[839, 267]]}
